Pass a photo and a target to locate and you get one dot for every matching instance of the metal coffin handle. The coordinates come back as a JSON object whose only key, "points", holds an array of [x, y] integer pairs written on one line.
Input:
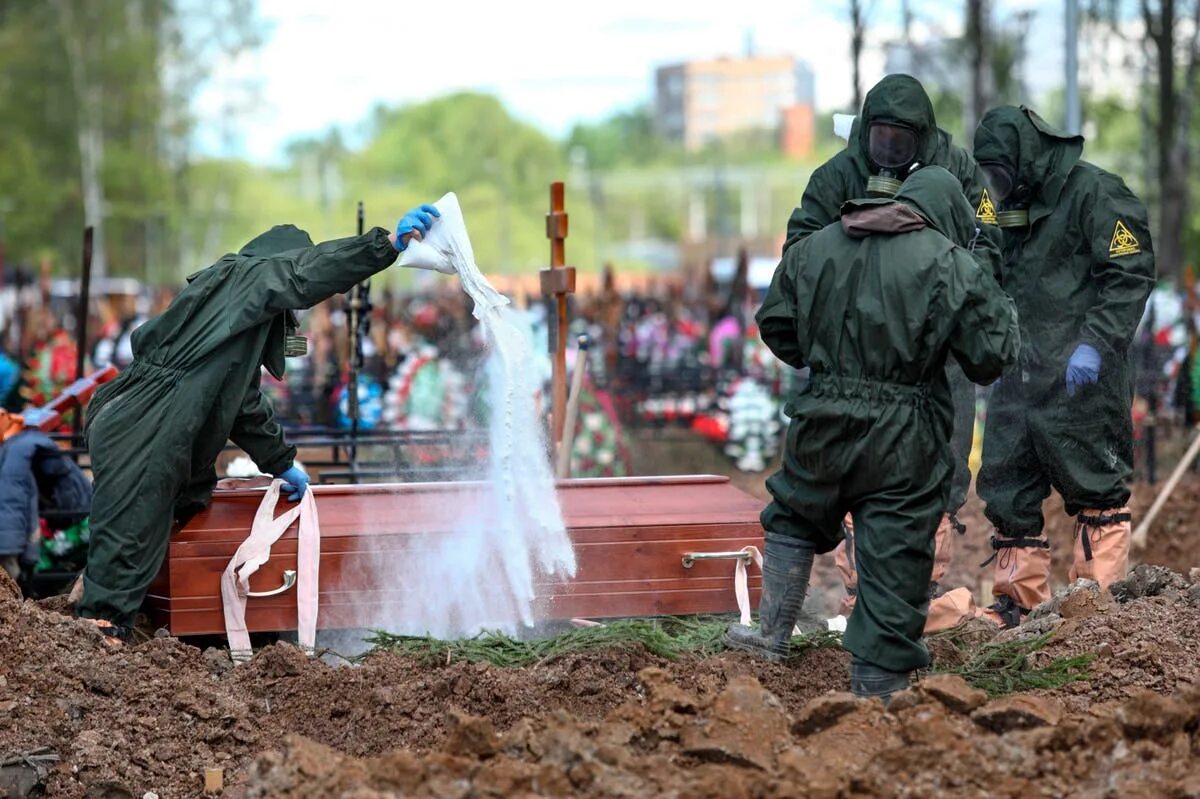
{"points": [[690, 558], [289, 580]]}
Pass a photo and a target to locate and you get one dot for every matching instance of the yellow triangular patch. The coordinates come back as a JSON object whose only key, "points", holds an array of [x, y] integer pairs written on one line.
{"points": [[986, 212], [1123, 242]]}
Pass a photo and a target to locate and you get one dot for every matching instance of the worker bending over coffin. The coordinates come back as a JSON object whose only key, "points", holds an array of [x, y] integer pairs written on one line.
{"points": [[895, 134], [154, 432], [1079, 264], [874, 304]]}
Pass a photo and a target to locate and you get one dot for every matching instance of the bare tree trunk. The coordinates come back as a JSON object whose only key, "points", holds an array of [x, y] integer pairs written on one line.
{"points": [[90, 132], [1180, 154], [1146, 118], [858, 26], [906, 19], [979, 55], [1172, 179]]}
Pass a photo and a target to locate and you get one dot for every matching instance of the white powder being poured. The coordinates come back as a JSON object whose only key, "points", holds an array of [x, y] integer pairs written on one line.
{"points": [[480, 575]]}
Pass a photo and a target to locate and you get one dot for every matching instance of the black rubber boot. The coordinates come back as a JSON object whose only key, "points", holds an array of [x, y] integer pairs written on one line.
{"points": [[1009, 612], [787, 565], [869, 680]]}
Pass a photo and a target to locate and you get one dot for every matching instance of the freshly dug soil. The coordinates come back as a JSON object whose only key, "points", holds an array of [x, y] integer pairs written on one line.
{"points": [[938, 740], [614, 722]]}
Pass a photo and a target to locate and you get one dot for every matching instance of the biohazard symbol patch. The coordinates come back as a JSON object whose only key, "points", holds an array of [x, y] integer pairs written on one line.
{"points": [[986, 212], [1123, 242]]}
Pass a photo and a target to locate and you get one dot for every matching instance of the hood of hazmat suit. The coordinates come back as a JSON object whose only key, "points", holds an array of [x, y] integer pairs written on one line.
{"points": [[1025, 159], [277, 240], [897, 99]]}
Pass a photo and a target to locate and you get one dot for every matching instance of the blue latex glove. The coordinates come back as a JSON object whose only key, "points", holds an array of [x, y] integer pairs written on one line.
{"points": [[418, 220], [1083, 368], [295, 482]]}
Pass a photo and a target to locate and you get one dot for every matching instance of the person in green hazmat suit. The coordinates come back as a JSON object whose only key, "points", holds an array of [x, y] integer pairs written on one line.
{"points": [[895, 134], [874, 305], [154, 432], [1079, 263]]}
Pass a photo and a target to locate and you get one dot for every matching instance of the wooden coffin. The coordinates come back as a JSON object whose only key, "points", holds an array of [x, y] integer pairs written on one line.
{"points": [[632, 537]]}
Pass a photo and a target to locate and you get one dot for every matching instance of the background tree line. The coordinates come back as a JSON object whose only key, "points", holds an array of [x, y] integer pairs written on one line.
{"points": [[96, 126]]}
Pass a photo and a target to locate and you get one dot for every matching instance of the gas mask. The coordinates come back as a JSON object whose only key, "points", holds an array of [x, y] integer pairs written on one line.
{"points": [[1011, 197], [892, 149], [294, 344]]}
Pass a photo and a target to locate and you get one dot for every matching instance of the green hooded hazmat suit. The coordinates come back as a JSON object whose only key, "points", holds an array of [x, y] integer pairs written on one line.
{"points": [[874, 305], [901, 98], [1080, 271], [154, 432]]}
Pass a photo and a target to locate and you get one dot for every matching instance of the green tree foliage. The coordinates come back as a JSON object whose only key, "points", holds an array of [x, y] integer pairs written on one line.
{"points": [[94, 123], [454, 141], [166, 212], [626, 138], [467, 143], [39, 194]]}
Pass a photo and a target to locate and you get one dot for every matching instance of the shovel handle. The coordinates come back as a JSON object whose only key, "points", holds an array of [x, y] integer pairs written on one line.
{"points": [[1143, 530], [563, 466]]}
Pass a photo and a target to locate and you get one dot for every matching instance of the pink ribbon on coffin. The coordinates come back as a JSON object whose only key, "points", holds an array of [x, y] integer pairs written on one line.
{"points": [[255, 551], [741, 585], [741, 582]]}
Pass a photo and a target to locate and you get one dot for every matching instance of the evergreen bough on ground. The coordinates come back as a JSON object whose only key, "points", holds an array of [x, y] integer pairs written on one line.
{"points": [[996, 667], [1006, 667], [667, 637]]}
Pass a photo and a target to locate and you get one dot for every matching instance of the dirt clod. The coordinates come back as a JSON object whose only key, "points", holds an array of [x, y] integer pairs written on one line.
{"points": [[741, 727], [953, 692], [1152, 716], [470, 736], [1018, 713], [1145, 580], [824, 712], [1086, 603]]}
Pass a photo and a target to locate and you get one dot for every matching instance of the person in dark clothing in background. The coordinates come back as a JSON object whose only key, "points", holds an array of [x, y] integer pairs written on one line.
{"points": [[34, 473]]}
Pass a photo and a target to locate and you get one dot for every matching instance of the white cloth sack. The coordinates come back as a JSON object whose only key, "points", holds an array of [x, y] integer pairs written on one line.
{"points": [[445, 246]]}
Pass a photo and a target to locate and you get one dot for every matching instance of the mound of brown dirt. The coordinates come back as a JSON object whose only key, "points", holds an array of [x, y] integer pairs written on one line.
{"points": [[741, 743], [1148, 642], [156, 716]]}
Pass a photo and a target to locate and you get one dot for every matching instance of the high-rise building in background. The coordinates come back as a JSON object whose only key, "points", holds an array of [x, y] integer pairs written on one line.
{"points": [[698, 102]]}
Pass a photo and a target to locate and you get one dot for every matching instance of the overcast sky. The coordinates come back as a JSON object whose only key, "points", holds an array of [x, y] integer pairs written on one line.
{"points": [[328, 63]]}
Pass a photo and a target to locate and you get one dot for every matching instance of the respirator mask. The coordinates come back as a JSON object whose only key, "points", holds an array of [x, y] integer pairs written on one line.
{"points": [[892, 149], [1011, 197], [294, 344]]}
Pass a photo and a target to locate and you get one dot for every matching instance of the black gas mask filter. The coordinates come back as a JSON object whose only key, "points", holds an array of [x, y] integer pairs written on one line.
{"points": [[294, 344]]}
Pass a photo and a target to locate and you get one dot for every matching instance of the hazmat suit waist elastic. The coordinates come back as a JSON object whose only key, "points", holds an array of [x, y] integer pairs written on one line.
{"points": [[833, 387]]}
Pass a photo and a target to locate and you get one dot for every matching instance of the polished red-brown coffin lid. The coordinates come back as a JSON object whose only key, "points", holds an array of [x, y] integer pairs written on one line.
{"points": [[630, 535]]}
